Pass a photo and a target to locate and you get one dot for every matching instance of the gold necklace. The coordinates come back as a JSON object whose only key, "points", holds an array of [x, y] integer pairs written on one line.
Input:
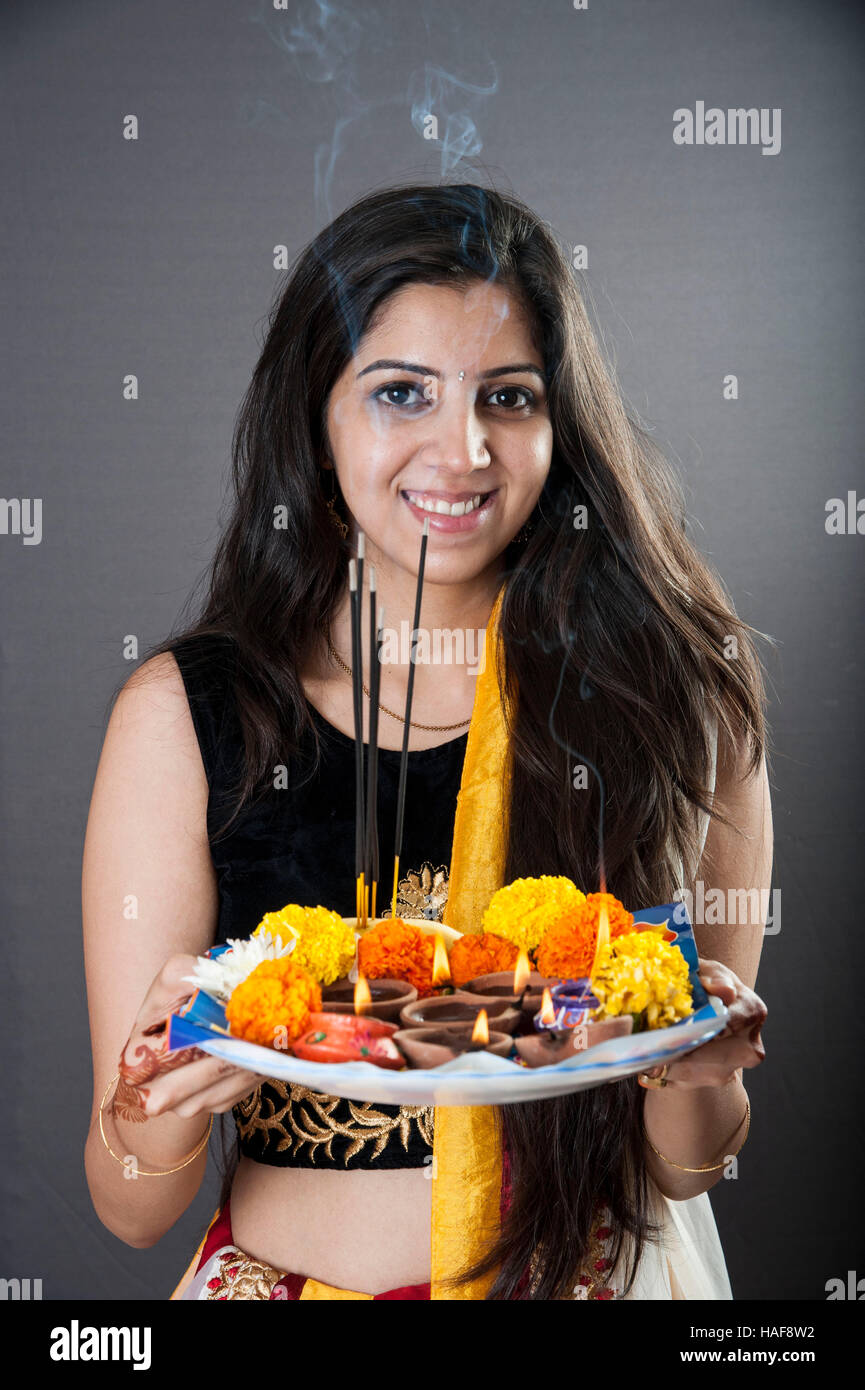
{"points": [[431, 728]]}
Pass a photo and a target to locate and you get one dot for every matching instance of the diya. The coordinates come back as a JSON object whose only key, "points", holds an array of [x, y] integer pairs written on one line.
{"points": [[432, 1047], [371, 998], [459, 1010]]}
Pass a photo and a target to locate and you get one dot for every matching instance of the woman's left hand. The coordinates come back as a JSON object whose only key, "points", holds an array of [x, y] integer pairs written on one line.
{"points": [[715, 1063]]}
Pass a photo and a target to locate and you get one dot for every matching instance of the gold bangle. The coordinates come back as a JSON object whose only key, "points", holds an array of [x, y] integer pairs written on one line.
{"points": [[142, 1172], [709, 1167]]}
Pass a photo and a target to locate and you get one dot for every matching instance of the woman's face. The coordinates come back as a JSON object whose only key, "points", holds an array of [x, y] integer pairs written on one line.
{"points": [[410, 435]]}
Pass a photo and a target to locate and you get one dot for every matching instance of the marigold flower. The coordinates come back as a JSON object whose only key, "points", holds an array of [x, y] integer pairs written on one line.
{"points": [[398, 950], [524, 910], [271, 1006], [568, 946], [325, 941], [485, 954], [644, 975]]}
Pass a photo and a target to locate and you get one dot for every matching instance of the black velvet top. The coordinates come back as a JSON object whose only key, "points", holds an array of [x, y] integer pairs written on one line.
{"points": [[296, 845]]}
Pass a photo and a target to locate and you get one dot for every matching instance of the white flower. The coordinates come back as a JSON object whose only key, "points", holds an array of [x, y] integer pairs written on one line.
{"points": [[219, 977]]}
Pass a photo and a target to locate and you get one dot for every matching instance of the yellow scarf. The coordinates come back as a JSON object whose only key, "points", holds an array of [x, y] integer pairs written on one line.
{"points": [[467, 1158]]}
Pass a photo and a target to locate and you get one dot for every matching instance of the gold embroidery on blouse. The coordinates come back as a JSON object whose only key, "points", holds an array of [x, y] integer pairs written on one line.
{"points": [[308, 1117], [422, 893]]}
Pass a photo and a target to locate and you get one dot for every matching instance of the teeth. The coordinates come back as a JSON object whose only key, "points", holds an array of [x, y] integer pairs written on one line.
{"points": [[438, 504]]}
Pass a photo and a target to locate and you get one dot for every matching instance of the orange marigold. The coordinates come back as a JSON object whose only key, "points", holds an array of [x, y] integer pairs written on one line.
{"points": [[484, 954], [272, 1005], [567, 948], [397, 950]]}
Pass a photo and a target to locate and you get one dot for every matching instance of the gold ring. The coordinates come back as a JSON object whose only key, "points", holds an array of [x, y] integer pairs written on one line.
{"points": [[654, 1081]]}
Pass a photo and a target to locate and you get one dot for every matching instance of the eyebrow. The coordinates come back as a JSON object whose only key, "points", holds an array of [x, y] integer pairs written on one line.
{"points": [[390, 364]]}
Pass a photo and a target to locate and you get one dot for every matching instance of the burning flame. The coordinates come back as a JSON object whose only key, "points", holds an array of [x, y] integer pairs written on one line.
{"points": [[548, 1013], [441, 974], [603, 938], [362, 996], [522, 972], [481, 1030]]}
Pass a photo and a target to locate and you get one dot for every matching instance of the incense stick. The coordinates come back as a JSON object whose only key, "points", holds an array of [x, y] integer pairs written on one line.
{"points": [[403, 761], [371, 853], [357, 676]]}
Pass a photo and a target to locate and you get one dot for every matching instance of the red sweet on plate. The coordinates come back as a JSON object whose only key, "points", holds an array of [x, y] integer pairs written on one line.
{"points": [[349, 1038]]}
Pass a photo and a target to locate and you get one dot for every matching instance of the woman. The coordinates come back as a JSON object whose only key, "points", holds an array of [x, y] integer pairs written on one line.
{"points": [[430, 356]]}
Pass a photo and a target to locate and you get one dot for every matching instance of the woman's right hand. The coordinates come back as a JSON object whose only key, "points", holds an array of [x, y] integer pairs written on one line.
{"points": [[187, 1082]]}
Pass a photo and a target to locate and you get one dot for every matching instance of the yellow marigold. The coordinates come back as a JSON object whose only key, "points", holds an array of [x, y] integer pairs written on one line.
{"points": [[644, 975], [398, 950], [523, 910], [568, 946], [486, 954], [325, 941], [272, 1005]]}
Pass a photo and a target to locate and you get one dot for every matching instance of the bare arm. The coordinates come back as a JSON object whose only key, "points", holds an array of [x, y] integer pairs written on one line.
{"points": [[149, 901], [697, 1118]]}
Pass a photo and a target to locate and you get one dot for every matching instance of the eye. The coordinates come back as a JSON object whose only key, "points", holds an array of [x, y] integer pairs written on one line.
{"points": [[395, 387], [518, 390]]}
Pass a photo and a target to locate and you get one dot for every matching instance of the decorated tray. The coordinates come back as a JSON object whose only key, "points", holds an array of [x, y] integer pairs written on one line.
{"points": [[476, 1077]]}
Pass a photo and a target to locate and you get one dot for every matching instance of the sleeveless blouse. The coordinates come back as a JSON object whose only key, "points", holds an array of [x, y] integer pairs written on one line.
{"points": [[295, 844]]}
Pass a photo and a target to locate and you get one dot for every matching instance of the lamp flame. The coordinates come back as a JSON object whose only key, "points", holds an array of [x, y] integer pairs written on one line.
{"points": [[548, 1013], [481, 1030], [362, 996], [603, 938], [522, 971], [441, 974]]}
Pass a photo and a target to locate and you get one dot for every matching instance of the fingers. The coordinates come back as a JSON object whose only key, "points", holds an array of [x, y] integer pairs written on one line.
{"points": [[171, 1088], [219, 1098], [719, 980]]}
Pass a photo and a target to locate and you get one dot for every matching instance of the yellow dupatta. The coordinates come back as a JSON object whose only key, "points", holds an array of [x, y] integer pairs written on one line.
{"points": [[467, 1158]]}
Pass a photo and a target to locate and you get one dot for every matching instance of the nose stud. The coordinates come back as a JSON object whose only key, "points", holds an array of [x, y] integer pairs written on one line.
{"points": [[461, 375]]}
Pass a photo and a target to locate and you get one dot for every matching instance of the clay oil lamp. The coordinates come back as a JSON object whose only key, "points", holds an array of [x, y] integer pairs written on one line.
{"points": [[372, 998], [558, 1039], [459, 1010], [349, 1037], [432, 1047], [522, 987]]}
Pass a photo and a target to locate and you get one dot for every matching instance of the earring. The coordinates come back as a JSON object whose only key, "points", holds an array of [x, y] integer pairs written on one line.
{"points": [[525, 533], [335, 517]]}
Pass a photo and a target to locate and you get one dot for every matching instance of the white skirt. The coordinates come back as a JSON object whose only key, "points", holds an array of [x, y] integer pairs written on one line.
{"points": [[686, 1261]]}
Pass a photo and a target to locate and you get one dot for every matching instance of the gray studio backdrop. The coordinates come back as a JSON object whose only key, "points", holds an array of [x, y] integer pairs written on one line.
{"points": [[155, 256]]}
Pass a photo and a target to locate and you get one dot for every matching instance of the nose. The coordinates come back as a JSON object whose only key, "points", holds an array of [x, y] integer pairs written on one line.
{"points": [[456, 441]]}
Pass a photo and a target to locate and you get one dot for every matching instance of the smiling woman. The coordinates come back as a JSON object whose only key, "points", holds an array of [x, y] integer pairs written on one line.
{"points": [[430, 359]]}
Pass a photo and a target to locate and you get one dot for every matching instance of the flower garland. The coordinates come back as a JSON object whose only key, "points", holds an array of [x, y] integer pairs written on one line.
{"points": [[397, 950], [325, 942], [271, 1006], [524, 910]]}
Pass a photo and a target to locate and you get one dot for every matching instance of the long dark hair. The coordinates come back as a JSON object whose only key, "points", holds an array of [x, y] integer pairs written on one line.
{"points": [[616, 640]]}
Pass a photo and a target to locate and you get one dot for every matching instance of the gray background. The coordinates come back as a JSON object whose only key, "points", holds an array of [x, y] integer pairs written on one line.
{"points": [[155, 257]]}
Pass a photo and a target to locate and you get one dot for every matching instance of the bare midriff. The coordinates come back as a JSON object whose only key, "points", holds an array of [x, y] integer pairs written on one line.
{"points": [[360, 1229]]}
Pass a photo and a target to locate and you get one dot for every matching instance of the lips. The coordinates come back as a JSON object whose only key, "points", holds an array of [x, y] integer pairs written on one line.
{"points": [[440, 503]]}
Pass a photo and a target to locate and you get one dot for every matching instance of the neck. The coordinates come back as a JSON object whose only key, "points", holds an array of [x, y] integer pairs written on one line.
{"points": [[452, 625]]}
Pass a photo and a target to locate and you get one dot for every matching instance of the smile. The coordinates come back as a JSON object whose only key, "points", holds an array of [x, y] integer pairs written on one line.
{"points": [[429, 502]]}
